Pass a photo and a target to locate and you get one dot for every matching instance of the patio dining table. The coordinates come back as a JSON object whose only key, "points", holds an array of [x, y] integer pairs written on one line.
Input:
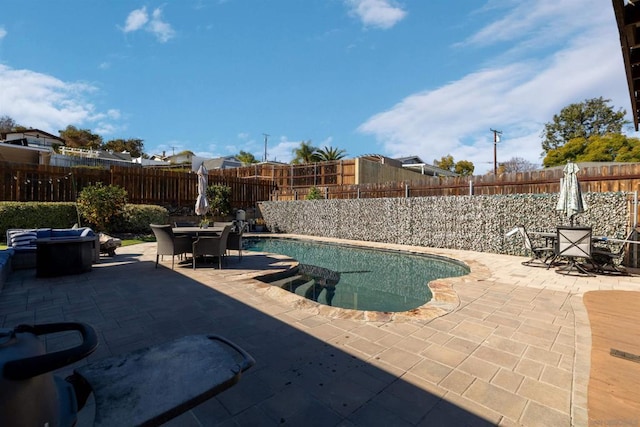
{"points": [[197, 231]]}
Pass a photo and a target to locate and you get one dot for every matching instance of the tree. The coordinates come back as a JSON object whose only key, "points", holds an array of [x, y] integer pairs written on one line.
{"points": [[328, 154], [7, 124], [516, 164], [582, 120], [607, 148], [246, 158], [305, 153], [80, 138], [464, 168], [446, 163], [133, 145]]}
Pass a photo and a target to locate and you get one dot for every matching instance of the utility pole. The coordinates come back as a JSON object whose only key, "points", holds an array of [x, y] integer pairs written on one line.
{"points": [[266, 137], [496, 139]]}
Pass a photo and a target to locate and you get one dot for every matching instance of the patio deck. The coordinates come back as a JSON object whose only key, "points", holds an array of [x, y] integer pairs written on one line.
{"points": [[516, 350]]}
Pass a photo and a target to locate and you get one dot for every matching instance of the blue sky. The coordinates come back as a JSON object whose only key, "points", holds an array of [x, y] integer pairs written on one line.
{"points": [[391, 77]]}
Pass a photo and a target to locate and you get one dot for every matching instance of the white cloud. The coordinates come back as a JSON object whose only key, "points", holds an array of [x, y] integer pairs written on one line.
{"points": [[159, 28], [40, 101], [326, 142], [282, 151], [139, 20], [382, 14], [517, 98], [136, 20], [540, 22], [3, 33]]}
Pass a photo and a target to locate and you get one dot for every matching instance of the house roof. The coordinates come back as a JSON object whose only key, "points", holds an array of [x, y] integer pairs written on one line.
{"points": [[413, 163], [411, 160], [222, 163], [31, 132], [426, 169], [628, 21]]}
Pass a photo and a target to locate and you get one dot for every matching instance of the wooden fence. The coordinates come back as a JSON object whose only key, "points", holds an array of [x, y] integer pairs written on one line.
{"points": [[41, 183], [333, 173], [261, 182], [613, 178]]}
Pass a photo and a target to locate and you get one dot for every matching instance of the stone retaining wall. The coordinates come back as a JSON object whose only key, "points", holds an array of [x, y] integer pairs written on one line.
{"points": [[476, 223]]}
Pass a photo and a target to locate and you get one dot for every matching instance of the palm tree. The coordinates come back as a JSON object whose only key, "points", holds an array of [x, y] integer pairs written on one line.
{"points": [[246, 158], [305, 153], [328, 154]]}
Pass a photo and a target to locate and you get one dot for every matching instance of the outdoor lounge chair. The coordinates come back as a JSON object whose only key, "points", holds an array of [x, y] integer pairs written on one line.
{"points": [[574, 243], [540, 255], [170, 244], [209, 245]]}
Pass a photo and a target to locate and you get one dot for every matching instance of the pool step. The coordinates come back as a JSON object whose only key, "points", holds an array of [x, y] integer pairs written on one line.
{"points": [[302, 289], [287, 280]]}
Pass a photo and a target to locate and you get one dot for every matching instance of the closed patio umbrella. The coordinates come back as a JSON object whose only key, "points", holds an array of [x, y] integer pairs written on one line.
{"points": [[202, 205], [570, 202]]}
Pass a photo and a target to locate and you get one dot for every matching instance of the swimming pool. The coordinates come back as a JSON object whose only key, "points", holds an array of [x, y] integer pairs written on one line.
{"points": [[359, 278]]}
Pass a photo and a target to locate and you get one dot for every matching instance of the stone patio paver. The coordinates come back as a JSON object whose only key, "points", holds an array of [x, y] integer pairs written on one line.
{"points": [[514, 350]]}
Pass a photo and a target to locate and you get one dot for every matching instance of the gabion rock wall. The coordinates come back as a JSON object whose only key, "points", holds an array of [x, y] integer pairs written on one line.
{"points": [[477, 223]]}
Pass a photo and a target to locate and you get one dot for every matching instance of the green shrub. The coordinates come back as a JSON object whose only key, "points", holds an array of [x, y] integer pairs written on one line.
{"points": [[36, 215], [99, 203], [314, 194], [132, 219], [219, 198], [136, 218]]}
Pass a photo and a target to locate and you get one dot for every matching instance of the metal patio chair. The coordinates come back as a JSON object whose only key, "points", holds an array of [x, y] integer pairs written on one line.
{"points": [[608, 261], [573, 244], [541, 256]]}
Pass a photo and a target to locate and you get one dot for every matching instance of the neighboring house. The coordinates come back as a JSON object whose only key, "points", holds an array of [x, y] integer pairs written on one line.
{"points": [[180, 158], [80, 156], [152, 161], [159, 158], [416, 164], [222, 163], [13, 153], [32, 138], [32, 146]]}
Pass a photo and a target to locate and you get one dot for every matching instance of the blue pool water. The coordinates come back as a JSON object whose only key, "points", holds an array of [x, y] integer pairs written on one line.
{"points": [[357, 278]]}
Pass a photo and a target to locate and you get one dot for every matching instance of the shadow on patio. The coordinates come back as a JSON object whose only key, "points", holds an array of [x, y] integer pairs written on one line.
{"points": [[299, 378]]}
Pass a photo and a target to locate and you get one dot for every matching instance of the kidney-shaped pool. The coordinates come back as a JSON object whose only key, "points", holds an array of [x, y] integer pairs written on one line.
{"points": [[359, 278]]}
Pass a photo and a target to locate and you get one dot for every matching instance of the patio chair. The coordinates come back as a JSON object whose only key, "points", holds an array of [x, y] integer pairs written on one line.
{"points": [[209, 245], [170, 244], [540, 255], [234, 242], [608, 261], [574, 243]]}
